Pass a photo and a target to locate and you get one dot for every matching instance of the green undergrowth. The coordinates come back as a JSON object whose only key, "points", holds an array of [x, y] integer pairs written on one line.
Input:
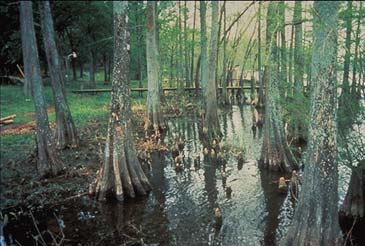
{"points": [[85, 108]]}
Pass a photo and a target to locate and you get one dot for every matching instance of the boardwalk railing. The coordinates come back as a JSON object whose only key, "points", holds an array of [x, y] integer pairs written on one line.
{"points": [[232, 88]]}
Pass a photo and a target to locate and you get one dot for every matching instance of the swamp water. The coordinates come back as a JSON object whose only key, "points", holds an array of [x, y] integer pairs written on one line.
{"points": [[180, 208]]}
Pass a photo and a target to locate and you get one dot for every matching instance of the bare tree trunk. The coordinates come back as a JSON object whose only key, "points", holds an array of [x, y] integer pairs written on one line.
{"points": [[27, 88], [203, 46], [110, 67], [275, 154], [354, 205], [218, 45], [355, 90], [180, 58], [73, 61], [211, 117], [121, 174], [155, 119], [74, 74], [48, 162], [298, 48], [346, 64], [315, 220], [105, 69], [197, 75], [224, 80], [283, 67], [259, 63], [172, 66], [81, 69], [291, 65], [193, 48], [186, 50], [66, 134], [345, 100], [92, 68]]}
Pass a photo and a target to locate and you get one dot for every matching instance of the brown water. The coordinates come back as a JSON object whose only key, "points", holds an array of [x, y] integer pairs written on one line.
{"points": [[179, 210]]}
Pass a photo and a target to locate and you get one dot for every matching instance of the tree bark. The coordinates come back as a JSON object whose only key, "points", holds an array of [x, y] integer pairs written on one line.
{"points": [[66, 134], [81, 69], [186, 50], [224, 80], [353, 205], [298, 48], [105, 69], [74, 74], [48, 162], [291, 64], [92, 69], [155, 119], [211, 117], [259, 63], [180, 58], [315, 220], [345, 101], [283, 65], [276, 154], [203, 46], [27, 88], [197, 75], [121, 174], [193, 48], [355, 90]]}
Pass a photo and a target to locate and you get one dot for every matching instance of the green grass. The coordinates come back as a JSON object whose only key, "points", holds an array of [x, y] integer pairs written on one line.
{"points": [[84, 108]]}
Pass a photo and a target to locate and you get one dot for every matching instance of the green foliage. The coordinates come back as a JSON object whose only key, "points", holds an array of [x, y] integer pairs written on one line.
{"points": [[296, 110], [85, 108], [10, 44]]}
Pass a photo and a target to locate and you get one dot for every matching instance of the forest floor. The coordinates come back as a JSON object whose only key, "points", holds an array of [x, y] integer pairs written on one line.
{"points": [[20, 184]]}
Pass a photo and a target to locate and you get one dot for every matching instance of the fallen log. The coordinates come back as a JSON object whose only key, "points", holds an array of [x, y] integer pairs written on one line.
{"points": [[10, 117], [7, 122], [14, 79]]}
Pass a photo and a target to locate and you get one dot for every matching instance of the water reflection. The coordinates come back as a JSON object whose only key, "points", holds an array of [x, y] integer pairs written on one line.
{"points": [[274, 201], [179, 210]]}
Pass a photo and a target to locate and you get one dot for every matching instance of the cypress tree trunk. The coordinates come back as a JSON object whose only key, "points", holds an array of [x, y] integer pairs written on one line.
{"points": [[66, 134], [355, 90], [211, 116], [155, 119], [81, 69], [224, 80], [73, 63], [259, 64], [283, 67], [121, 173], [275, 154], [180, 58], [186, 50], [110, 67], [353, 205], [346, 64], [345, 112], [315, 220], [193, 48], [203, 46], [92, 68], [27, 88], [48, 162], [291, 65], [105, 68], [197, 75], [352, 211], [297, 129], [298, 48]]}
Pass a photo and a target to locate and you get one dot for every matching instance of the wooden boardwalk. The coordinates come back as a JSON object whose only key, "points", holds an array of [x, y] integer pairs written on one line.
{"points": [[229, 88]]}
